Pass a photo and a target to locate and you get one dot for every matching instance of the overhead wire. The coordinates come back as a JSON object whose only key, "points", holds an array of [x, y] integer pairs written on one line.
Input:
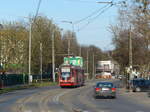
{"points": [[37, 10], [101, 13], [93, 13], [91, 20], [36, 14], [97, 13], [80, 1]]}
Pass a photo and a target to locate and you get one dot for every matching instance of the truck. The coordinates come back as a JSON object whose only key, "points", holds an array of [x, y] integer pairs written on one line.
{"points": [[106, 69]]}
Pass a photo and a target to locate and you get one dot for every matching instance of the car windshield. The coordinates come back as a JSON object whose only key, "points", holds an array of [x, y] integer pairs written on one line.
{"points": [[104, 85]]}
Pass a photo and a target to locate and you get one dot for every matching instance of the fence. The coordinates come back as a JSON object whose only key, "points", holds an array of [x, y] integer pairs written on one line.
{"points": [[16, 79], [45, 77], [12, 79]]}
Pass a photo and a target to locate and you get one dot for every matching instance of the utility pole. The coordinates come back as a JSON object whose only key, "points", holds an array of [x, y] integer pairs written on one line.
{"points": [[1, 27], [53, 56], [68, 46], [80, 51], [69, 39], [145, 11], [41, 60], [87, 64], [30, 31], [30, 40], [130, 60], [130, 50], [93, 66]]}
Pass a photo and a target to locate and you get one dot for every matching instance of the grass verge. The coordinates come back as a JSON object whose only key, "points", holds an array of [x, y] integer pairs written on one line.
{"points": [[32, 85]]}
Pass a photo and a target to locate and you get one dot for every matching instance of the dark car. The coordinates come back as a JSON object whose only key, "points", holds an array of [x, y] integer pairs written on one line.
{"points": [[140, 85], [105, 89]]}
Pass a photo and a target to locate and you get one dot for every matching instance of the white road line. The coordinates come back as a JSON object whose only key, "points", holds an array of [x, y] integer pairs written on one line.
{"points": [[62, 111], [56, 98], [27, 111], [139, 111]]}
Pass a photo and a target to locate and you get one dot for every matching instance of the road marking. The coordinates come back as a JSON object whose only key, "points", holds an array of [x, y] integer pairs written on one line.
{"points": [[139, 111], [80, 110], [28, 111], [62, 111], [56, 98]]}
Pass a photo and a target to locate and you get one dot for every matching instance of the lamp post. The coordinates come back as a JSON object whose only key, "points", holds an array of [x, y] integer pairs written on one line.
{"points": [[95, 54], [70, 22], [87, 64], [30, 42], [1, 27], [53, 56], [30, 34], [94, 68], [41, 60]]}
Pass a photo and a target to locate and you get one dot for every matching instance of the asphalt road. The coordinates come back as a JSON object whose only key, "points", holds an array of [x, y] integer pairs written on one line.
{"points": [[56, 99]]}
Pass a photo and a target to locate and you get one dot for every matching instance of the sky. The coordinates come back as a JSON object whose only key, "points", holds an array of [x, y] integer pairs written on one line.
{"points": [[96, 33]]}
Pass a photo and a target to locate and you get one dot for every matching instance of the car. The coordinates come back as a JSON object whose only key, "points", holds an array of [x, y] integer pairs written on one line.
{"points": [[120, 77], [140, 85], [104, 89]]}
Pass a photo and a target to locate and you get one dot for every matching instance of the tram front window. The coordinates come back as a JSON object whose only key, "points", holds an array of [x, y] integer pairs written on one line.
{"points": [[65, 74]]}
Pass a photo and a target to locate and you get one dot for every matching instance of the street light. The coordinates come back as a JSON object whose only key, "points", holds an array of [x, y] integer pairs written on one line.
{"points": [[70, 22], [41, 60], [87, 64], [53, 56], [30, 42], [94, 65], [30, 45], [30, 36], [1, 27]]}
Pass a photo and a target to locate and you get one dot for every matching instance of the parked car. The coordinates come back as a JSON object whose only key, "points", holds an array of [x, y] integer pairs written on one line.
{"points": [[104, 89], [140, 85], [120, 77]]}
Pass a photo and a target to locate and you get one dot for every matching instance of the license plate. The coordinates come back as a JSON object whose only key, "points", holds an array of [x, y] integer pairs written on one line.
{"points": [[105, 89]]}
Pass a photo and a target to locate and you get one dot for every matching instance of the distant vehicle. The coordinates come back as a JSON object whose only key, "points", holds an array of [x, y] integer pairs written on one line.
{"points": [[113, 77], [120, 77], [71, 76], [140, 85], [105, 89], [71, 72], [106, 69]]}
